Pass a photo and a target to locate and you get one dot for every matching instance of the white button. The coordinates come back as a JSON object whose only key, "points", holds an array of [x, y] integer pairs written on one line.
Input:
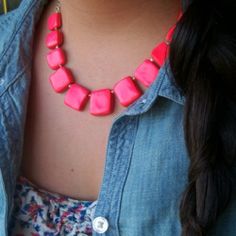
{"points": [[144, 100], [100, 224]]}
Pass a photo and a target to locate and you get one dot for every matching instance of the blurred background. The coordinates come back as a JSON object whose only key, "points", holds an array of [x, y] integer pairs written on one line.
{"points": [[11, 5]]}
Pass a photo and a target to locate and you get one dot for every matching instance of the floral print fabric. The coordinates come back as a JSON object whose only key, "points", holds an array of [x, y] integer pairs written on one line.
{"points": [[40, 213]]}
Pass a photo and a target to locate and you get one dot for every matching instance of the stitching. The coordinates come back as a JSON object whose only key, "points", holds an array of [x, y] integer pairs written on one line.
{"points": [[137, 120], [17, 77], [17, 29]]}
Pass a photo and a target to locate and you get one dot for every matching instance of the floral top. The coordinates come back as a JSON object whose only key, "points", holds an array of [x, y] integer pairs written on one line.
{"points": [[38, 212]]}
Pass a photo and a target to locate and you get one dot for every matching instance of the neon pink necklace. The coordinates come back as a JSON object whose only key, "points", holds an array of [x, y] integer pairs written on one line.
{"points": [[102, 100]]}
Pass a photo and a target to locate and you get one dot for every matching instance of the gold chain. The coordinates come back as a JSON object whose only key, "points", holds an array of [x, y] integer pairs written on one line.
{"points": [[5, 6]]}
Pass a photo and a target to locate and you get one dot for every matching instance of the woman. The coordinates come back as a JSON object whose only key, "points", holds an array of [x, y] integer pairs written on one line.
{"points": [[168, 165]]}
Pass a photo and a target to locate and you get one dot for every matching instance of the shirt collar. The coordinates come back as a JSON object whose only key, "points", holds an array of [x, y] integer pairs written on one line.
{"points": [[163, 86]]}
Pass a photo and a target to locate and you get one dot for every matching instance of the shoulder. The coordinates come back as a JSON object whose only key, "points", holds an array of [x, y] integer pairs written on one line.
{"points": [[21, 16], [16, 38]]}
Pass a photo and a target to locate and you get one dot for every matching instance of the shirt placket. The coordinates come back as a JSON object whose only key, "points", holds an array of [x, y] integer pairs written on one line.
{"points": [[119, 151]]}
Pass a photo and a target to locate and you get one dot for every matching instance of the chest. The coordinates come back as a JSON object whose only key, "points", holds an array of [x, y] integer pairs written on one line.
{"points": [[60, 141]]}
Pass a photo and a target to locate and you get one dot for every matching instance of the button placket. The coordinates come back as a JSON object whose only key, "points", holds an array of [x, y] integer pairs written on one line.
{"points": [[117, 164]]}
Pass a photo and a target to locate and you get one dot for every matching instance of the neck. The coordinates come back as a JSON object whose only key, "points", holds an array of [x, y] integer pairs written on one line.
{"points": [[117, 14]]}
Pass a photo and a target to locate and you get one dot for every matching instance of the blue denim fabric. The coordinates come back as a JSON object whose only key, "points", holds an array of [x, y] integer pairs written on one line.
{"points": [[146, 160]]}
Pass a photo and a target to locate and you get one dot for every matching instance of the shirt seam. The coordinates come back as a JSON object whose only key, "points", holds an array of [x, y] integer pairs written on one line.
{"points": [[19, 25], [137, 120], [17, 77]]}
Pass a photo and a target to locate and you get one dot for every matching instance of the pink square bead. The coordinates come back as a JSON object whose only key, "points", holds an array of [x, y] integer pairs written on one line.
{"points": [[76, 97], [61, 79], [54, 38], [146, 73], [56, 58], [170, 33], [54, 21], [127, 91], [159, 53], [101, 102]]}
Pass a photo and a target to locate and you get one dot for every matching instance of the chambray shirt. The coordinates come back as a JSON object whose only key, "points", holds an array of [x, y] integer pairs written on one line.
{"points": [[146, 160]]}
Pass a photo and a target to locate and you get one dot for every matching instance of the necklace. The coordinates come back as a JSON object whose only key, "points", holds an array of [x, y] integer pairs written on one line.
{"points": [[102, 101]]}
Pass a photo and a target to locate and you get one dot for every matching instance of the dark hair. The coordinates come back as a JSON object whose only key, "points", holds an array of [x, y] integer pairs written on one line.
{"points": [[203, 61]]}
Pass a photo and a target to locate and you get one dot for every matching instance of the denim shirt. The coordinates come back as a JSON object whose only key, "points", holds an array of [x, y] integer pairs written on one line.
{"points": [[146, 163]]}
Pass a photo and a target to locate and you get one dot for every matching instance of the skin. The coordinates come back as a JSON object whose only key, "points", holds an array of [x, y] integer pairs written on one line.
{"points": [[65, 150]]}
